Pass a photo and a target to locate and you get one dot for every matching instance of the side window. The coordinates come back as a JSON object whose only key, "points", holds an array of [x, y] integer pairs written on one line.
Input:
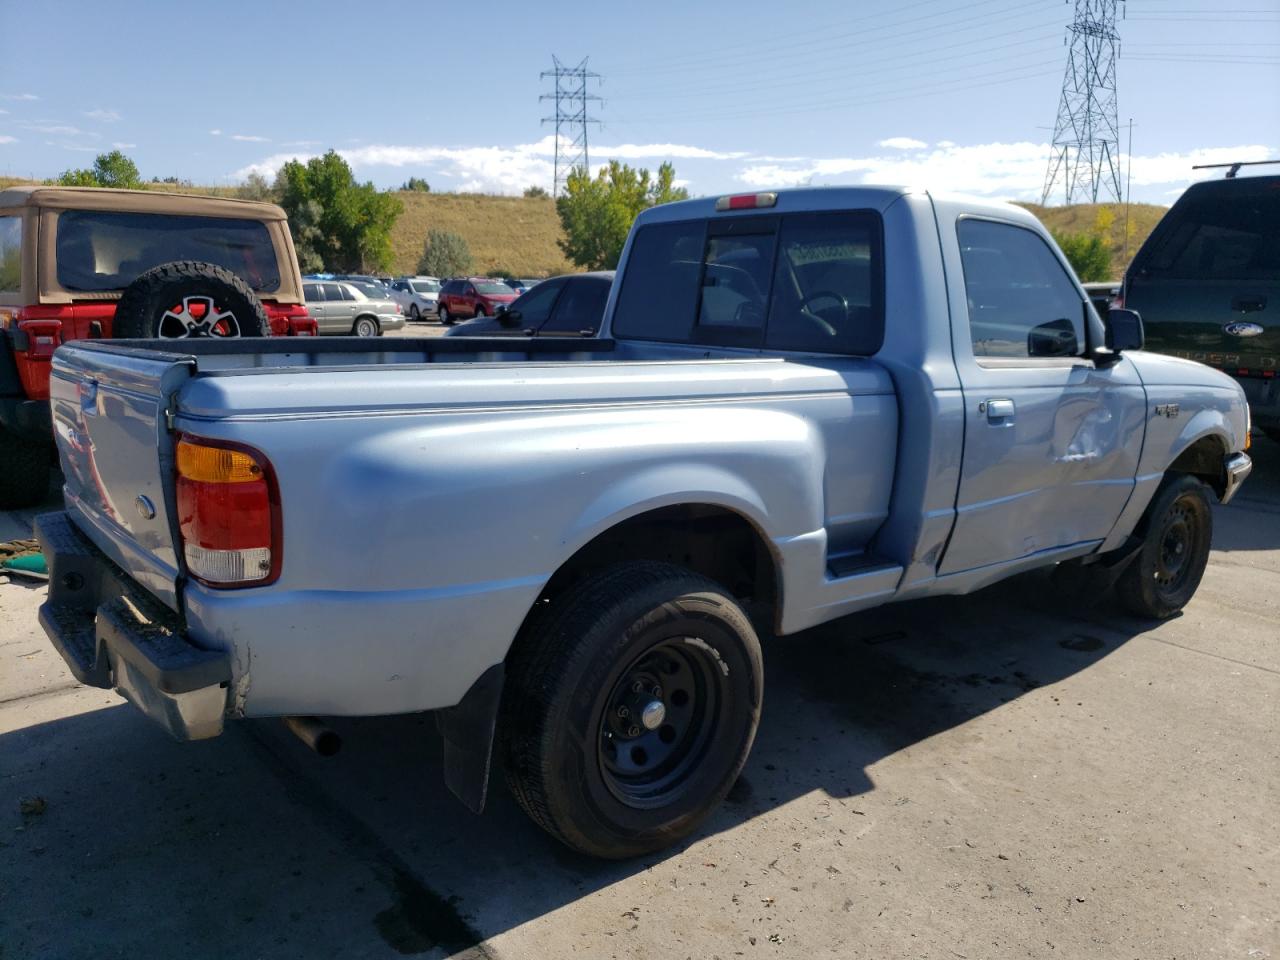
{"points": [[10, 254], [581, 307], [659, 292], [1022, 303], [311, 291], [735, 286], [536, 305], [332, 292], [470, 290], [347, 293], [827, 285], [400, 285]]}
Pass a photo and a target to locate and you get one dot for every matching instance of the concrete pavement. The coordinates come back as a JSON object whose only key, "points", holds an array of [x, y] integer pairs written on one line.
{"points": [[1010, 774]]}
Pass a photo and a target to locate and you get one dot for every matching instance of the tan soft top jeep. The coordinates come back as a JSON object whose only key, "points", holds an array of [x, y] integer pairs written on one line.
{"points": [[80, 262]]}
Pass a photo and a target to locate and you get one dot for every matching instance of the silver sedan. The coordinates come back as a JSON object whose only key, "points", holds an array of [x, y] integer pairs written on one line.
{"points": [[347, 308]]}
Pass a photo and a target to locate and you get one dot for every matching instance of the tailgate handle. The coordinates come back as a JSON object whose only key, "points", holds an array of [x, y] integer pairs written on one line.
{"points": [[1249, 304]]}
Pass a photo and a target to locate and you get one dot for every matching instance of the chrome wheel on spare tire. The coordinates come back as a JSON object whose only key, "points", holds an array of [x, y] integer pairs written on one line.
{"points": [[187, 298], [631, 703]]}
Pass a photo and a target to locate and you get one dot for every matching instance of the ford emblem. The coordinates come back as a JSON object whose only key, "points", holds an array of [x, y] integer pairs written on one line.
{"points": [[1243, 328]]}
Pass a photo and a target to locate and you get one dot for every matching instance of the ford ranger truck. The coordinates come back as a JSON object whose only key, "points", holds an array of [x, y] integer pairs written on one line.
{"points": [[814, 402]]}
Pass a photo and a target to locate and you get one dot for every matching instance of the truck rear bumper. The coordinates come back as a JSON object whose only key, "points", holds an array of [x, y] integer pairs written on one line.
{"points": [[113, 634]]}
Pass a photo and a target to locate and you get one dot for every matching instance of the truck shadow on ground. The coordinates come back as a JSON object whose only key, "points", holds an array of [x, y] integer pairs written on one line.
{"points": [[250, 843]]}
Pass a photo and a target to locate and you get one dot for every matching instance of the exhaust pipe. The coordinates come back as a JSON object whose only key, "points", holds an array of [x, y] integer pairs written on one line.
{"points": [[316, 735]]}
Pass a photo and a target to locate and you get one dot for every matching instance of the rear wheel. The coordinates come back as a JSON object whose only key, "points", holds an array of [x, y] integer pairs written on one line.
{"points": [[188, 298], [1176, 531], [631, 705], [365, 327], [24, 471]]}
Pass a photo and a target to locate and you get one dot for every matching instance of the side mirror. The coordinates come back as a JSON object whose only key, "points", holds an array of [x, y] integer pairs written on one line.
{"points": [[1124, 330], [508, 318], [500, 309], [1057, 338]]}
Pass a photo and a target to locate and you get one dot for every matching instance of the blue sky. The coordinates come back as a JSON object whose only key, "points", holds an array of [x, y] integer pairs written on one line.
{"points": [[947, 94]]}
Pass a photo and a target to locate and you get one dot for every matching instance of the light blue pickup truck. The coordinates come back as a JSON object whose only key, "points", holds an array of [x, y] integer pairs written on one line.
{"points": [[810, 402]]}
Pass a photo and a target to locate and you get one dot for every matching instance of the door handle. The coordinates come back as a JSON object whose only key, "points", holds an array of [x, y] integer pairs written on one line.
{"points": [[997, 410]]}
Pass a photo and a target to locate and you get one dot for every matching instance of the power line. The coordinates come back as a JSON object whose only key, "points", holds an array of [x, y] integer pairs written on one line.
{"points": [[1085, 134], [571, 118]]}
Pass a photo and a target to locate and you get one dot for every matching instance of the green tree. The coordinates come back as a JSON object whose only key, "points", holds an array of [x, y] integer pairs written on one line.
{"points": [[256, 187], [444, 254], [112, 169], [596, 214], [536, 193], [416, 185], [1088, 253], [352, 231]]}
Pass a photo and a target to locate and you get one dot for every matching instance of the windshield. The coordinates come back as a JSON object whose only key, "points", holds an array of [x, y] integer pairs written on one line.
{"points": [[425, 287], [105, 250], [494, 289]]}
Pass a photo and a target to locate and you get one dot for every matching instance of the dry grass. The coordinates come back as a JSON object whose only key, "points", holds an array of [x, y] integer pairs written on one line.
{"points": [[1106, 219], [518, 235], [515, 234]]}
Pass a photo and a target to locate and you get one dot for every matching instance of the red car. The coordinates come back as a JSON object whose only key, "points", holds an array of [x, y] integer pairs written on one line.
{"points": [[474, 297]]}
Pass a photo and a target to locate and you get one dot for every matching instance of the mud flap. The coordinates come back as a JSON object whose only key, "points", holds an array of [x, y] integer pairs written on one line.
{"points": [[467, 730]]}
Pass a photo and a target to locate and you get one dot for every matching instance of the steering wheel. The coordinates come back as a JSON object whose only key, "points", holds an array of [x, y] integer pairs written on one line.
{"points": [[817, 320]]}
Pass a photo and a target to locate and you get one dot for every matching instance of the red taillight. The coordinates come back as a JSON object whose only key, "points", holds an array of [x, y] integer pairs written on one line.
{"points": [[290, 320], [747, 201], [42, 337], [228, 513]]}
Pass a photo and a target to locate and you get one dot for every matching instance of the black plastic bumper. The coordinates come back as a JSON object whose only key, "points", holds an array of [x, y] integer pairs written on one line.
{"points": [[113, 634]]}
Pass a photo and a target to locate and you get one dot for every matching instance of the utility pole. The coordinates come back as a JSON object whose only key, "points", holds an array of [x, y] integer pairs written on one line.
{"points": [[1086, 136], [1128, 190], [572, 117]]}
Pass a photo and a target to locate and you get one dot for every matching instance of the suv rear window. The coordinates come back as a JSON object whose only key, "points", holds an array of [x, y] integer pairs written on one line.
{"points": [[1217, 236], [100, 250], [806, 282], [10, 254]]}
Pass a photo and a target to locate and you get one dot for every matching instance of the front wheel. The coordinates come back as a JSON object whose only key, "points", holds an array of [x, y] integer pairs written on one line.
{"points": [[365, 327], [1176, 531], [444, 316], [480, 311], [631, 704], [414, 314]]}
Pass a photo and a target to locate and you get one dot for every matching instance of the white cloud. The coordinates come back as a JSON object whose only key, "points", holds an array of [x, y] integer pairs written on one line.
{"points": [[123, 146], [301, 143], [248, 138], [78, 147], [59, 129], [507, 169], [944, 144], [103, 116], [215, 133], [1008, 170], [4, 139], [18, 96], [4, 111], [902, 143]]}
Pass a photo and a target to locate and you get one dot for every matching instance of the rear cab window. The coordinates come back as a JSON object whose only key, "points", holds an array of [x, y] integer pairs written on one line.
{"points": [[1219, 235], [810, 282], [101, 250]]}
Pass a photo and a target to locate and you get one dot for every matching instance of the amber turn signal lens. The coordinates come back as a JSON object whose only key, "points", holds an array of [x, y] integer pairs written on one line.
{"points": [[216, 464]]}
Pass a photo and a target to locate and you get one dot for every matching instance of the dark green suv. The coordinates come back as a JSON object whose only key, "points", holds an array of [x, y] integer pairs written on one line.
{"points": [[1207, 284]]}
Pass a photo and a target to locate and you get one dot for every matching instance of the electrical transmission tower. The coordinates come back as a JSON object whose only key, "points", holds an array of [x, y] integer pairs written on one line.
{"points": [[1086, 136], [572, 117]]}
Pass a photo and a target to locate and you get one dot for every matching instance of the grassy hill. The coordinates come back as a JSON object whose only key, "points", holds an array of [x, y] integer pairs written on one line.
{"points": [[518, 235], [514, 234], [1106, 219]]}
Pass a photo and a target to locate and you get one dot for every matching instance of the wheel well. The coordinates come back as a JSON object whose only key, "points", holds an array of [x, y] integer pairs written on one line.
{"points": [[1203, 459], [710, 540]]}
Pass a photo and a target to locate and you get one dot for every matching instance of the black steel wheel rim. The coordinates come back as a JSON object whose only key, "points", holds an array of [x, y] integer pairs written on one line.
{"points": [[1179, 544], [658, 721]]}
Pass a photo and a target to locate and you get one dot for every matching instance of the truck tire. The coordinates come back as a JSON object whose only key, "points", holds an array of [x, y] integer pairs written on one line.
{"points": [[1176, 532], [631, 704], [187, 298], [24, 471]]}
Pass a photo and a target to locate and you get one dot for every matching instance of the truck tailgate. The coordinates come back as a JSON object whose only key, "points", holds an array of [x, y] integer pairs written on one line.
{"points": [[109, 416]]}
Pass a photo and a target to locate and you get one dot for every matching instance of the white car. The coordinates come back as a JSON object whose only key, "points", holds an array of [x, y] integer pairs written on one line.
{"points": [[419, 297]]}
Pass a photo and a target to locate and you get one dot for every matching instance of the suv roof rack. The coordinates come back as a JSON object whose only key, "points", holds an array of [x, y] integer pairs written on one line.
{"points": [[1234, 167]]}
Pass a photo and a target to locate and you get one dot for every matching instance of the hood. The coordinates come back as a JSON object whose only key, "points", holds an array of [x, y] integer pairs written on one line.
{"points": [[1157, 369]]}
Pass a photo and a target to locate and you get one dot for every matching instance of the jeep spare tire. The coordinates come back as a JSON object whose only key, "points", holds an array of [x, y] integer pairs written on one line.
{"points": [[187, 298]]}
